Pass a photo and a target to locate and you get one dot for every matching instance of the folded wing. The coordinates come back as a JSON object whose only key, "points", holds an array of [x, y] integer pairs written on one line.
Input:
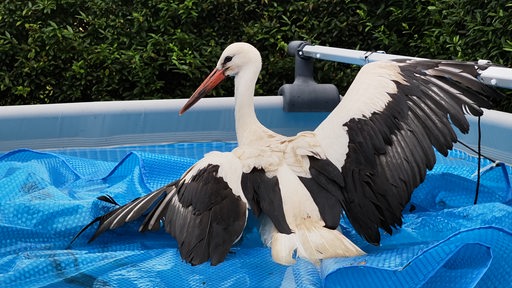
{"points": [[205, 210]]}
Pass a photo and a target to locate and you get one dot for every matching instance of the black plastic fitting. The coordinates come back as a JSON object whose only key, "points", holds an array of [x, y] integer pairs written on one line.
{"points": [[305, 94]]}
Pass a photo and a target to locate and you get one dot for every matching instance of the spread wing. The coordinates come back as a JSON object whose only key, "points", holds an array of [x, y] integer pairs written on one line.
{"points": [[382, 136]]}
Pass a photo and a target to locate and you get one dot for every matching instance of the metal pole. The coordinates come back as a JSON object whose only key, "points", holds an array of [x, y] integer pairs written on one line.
{"points": [[494, 75]]}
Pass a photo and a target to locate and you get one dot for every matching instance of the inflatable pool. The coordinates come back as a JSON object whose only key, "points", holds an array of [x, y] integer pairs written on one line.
{"points": [[73, 153], [56, 159]]}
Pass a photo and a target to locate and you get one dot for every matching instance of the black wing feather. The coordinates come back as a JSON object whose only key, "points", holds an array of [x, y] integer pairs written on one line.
{"points": [[205, 217], [379, 180], [264, 195], [203, 214], [323, 185]]}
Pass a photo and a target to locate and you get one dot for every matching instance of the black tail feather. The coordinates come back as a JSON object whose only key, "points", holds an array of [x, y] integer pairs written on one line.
{"points": [[129, 212]]}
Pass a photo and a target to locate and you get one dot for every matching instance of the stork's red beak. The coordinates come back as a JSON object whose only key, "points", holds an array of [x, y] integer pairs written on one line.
{"points": [[208, 84]]}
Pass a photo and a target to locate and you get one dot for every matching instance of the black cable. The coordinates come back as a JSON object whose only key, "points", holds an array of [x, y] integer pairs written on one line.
{"points": [[475, 151], [479, 161]]}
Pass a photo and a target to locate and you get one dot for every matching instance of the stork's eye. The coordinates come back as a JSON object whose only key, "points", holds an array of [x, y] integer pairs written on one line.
{"points": [[227, 59]]}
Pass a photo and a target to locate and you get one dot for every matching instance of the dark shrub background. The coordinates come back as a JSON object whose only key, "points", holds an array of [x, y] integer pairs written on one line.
{"points": [[74, 50]]}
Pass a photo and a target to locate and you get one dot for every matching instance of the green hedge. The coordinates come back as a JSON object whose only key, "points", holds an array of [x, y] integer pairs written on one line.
{"points": [[71, 50]]}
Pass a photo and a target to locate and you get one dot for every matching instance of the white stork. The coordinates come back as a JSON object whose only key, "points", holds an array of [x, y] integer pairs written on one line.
{"points": [[363, 160]]}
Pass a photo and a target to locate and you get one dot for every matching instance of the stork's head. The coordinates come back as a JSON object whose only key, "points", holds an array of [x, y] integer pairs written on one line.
{"points": [[237, 58]]}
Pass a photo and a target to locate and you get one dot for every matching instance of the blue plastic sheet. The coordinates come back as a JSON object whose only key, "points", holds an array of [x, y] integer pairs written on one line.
{"points": [[46, 198]]}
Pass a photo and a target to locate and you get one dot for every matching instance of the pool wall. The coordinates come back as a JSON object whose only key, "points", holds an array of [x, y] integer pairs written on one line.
{"points": [[120, 123]]}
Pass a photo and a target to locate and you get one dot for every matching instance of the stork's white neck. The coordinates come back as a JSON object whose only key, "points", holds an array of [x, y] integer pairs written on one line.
{"points": [[248, 129]]}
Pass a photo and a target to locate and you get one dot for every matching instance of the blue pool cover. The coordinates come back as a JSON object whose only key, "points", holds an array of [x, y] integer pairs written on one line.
{"points": [[46, 198]]}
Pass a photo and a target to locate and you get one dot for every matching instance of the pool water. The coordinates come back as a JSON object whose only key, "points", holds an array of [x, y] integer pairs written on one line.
{"points": [[46, 197]]}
